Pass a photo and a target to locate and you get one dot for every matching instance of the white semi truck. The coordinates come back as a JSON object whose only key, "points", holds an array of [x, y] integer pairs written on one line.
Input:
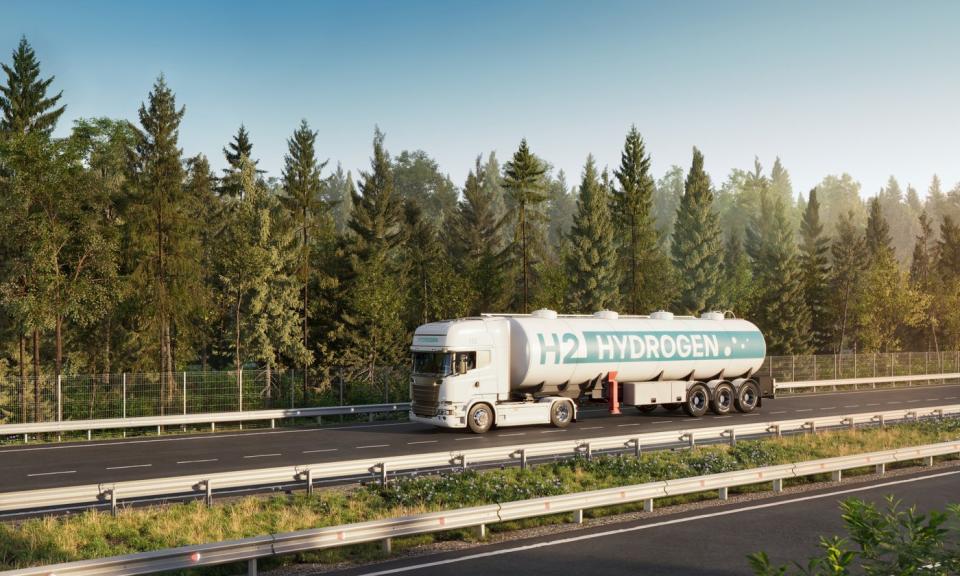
{"points": [[511, 370]]}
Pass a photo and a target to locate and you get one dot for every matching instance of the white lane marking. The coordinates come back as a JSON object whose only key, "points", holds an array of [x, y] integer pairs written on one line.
{"points": [[873, 404], [753, 414], [319, 450], [685, 520], [262, 455], [514, 434], [805, 410], [852, 406], [663, 422], [622, 425], [551, 431], [422, 442], [469, 438], [912, 401], [932, 399], [826, 408], [592, 428], [129, 466], [207, 437], [722, 416], [52, 473], [197, 461], [779, 412], [372, 446], [894, 402], [950, 397]]}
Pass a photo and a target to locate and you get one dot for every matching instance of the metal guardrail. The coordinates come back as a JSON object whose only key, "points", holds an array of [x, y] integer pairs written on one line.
{"points": [[309, 473], [209, 418], [277, 414], [478, 517]]}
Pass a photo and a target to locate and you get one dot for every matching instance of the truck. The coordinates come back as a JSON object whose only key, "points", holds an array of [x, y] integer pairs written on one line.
{"points": [[519, 369]]}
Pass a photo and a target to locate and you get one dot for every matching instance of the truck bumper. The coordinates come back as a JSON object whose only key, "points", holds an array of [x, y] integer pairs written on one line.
{"points": [[451, 421]]}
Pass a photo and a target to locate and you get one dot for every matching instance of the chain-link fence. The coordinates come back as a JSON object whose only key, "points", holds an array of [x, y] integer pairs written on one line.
{"points": [[88, 397]]}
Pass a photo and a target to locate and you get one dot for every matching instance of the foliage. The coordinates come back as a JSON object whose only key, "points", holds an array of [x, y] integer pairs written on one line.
{"points": [[591, 261], [523, 181], [815, 266]]}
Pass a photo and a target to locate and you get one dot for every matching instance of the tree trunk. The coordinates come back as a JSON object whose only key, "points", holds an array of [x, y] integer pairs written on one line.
{"points": [[523, 249], [22, 388], [36, 375]]}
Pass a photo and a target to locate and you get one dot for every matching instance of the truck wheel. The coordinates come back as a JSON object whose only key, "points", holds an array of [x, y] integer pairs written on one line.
{"points": [[647, 408], [561, 413], [723, 399], [672, 407], [480, 418], [747, 396], [698, 400]]}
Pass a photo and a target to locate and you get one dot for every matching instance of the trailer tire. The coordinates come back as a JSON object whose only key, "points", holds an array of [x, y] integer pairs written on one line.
{"points": [[647, 408], [698, 400], [748, 396], [561, 413], [724, 397], [672, 406], [480, 418]]}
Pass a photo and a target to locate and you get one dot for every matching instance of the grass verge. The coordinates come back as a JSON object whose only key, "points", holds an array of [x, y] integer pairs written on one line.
{"points": [[96, 534]]}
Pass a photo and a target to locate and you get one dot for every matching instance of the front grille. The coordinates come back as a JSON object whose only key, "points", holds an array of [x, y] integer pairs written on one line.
{"points": [[425, 393]]}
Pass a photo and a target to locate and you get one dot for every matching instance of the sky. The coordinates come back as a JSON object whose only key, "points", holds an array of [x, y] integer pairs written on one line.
{"points": [[865, 87]]}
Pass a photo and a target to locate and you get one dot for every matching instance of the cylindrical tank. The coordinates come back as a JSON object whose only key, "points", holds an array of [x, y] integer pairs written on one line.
{"points": [[553, 354]]}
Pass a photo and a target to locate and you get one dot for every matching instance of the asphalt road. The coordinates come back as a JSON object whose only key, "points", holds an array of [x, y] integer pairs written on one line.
{"points": [[69, 464], [713, 541]]}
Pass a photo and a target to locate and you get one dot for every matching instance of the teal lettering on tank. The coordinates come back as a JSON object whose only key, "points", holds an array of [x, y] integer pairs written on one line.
{"points": [[600, 347]]}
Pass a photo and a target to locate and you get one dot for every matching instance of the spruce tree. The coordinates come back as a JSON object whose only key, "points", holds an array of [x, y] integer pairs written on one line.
{"points": [[815, 262], [779, 308], [697, 245], [948, 251], [561, 206], [849, 254], [591, 264], [738, 285], [237, 151], [524, 182], [643, 268], [24, 102], [436, 290], [477, 242], [302, 198], [877, 235], [921, 264]]}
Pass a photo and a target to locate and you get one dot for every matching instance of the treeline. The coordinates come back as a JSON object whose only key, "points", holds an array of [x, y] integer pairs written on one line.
{"points": [[120, 253]]}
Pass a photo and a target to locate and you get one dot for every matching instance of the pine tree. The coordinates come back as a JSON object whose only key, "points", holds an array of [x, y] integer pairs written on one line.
{"points": [[779, 308], [948, 251], [921, 264], [849, 254], [437, 290], [477, 242], [877, 236], [302, 198], [24, 102], [643, 268], [738, 285], [697, 248], [591, 265], [814, 259], [164, 236], [524, 182]]}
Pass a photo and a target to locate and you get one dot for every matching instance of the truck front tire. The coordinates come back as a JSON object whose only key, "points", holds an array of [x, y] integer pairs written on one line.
{"points": [[480, 418], [561, 413]]}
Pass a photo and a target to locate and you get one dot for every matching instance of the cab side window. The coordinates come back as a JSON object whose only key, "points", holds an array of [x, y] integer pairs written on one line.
{"points": [[465, 361]]}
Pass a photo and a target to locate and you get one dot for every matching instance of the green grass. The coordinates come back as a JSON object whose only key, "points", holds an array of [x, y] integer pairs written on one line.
{"points": [[97, 534]]}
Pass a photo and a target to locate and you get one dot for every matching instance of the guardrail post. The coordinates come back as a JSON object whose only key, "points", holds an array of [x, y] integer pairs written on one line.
{"points": [[648, 505], [252, 567], [113, 501], [812, 425], [850, 423], [879, 419], [723, 493], [837, 475], [690, 440], [578, 516], [778, 485], [636, 446], [928, 461], [589, 451], [732, 433], [523, 458], [382, 468], [880, 469], [309, 482], [208, 487], [480, 532], [938, 413], [775, 430], [386, 545]]}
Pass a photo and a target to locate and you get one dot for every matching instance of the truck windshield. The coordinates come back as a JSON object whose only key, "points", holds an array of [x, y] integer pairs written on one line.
{"points": [[433, 363]]}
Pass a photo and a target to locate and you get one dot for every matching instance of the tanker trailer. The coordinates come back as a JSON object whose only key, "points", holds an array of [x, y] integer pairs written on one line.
{"points": [[512, 370]]}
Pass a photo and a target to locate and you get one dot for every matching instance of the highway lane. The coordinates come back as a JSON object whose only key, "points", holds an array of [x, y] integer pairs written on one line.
{"points": [[713, 541], [52, 465]]}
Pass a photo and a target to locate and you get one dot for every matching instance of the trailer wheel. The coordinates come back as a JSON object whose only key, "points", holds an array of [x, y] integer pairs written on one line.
{"points": [[480, 418], [561, 413], [747, 397], [723, 399], [698, 400], [647, 408], [672, 407]]}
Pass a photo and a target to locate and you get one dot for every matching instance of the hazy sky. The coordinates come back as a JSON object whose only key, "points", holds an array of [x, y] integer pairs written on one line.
{"points": [[871, 88]]}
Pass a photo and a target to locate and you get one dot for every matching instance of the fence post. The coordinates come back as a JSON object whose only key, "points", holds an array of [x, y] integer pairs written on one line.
{"points": [[59, 398], [240, 398], [793, 367], [184, 392]]}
